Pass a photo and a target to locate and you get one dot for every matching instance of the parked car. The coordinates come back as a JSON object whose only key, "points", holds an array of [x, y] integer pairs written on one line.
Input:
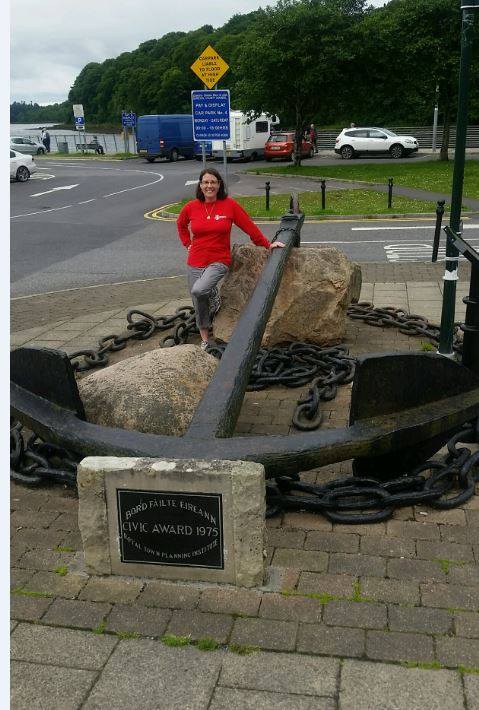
{"points": [[27, 146], [21, 166], [354, 141], [281, 145]]}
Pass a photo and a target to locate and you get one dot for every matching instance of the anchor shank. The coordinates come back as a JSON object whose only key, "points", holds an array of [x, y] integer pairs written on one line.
{"points": [[218, 410]]}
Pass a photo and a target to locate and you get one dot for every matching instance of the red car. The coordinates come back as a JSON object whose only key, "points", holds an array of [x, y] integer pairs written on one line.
{"points": [[281, 145]]}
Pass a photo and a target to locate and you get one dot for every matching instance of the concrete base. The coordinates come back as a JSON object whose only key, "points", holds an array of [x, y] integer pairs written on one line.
{"points": [[176, 519]]}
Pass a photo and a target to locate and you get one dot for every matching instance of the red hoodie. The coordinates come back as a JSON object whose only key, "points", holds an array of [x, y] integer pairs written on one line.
{"points": [[210, 225]]}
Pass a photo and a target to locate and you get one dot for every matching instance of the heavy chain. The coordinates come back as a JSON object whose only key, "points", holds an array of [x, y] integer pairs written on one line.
{"points": [[36, 461], [355, 500], [407, 323]]}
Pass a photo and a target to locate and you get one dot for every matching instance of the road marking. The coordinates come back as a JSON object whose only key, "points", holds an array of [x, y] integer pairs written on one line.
{"points": [[412, 251], [380, 229], [47, 176], [54, 189], [85, 202], [191, 182], [30, 214], [82, 288], [138, 187]]}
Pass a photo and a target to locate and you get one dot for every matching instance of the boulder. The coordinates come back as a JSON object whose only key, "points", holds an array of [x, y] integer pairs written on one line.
{"points": [[317, 287], [156, 392]]}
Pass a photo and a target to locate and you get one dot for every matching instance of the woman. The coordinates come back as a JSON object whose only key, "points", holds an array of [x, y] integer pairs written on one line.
{"points": [[204, 226]]}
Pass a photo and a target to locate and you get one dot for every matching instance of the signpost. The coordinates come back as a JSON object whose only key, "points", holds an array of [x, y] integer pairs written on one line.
{"points": [[214, 122], [79, 117], [128, 120]]}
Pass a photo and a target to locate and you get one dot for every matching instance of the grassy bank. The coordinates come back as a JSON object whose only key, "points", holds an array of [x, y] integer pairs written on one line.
{"points": [[433, 175], [338, 202]]}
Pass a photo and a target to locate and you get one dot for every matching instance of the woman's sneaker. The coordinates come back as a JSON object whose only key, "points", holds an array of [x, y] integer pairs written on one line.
{"points": [[214, 302], [204, 344]]}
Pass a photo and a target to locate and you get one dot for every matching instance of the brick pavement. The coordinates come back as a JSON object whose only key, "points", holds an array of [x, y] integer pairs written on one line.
{"points": [[350, 616]]}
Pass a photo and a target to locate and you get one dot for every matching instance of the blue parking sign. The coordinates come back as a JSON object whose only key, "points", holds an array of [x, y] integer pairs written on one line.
{"points": [[79, 120], [128, 118], [211, 114]]}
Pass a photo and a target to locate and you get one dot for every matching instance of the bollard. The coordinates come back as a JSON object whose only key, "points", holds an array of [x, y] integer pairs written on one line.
{"points": [[437, 232], [390, 192], [267, 188], [323, 194]]}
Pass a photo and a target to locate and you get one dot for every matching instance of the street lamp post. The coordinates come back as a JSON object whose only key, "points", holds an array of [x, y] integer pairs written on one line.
{"points": [[468, 8]]}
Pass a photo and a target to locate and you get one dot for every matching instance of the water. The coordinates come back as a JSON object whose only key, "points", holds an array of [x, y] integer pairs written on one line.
{"points": [[112, 143]]}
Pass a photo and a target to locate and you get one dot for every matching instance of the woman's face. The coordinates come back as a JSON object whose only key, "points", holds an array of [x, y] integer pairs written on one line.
{"points": [[209, 186]]}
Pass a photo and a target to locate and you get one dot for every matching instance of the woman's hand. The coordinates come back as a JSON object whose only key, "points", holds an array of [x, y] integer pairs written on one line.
{"points": [[275, 245]]}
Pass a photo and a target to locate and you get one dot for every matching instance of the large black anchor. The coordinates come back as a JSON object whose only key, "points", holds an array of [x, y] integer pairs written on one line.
{"points": [[404, 406]]}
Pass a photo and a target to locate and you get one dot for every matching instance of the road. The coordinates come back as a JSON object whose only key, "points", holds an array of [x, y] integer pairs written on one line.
{"points": [[81, 222]]}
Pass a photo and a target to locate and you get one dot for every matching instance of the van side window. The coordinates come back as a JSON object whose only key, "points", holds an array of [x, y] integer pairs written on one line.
{"points": [[262, 127]]}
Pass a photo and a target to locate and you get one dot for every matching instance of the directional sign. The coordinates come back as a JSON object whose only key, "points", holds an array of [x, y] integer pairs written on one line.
{"points": [[54, 189], [128, 118], [78, 111], [211, 115], [209, 67]]}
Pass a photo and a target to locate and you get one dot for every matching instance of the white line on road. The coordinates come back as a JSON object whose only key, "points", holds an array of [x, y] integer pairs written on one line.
{"points": [[54, 189], [30, 214], [138, 187], [81, 288], [380, 229], [191, 182], [85, 202]]}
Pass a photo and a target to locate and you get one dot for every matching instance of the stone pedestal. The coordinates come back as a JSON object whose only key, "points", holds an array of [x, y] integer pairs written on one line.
{"points": [[173, 519]]}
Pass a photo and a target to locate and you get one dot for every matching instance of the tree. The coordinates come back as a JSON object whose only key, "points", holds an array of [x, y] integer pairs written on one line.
{"points": [[291, 60]]}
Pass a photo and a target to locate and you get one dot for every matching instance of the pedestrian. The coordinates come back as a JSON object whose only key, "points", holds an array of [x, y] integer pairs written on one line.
{"points": [[313, 137], [352, 125], [46, 139], [204, 227]]}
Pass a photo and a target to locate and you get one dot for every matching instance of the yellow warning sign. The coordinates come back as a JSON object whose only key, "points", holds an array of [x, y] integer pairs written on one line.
{"points": [[209, 67]]}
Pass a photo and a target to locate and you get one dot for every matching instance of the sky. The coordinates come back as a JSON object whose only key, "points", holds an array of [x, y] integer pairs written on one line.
{"points": [[51, 41]]}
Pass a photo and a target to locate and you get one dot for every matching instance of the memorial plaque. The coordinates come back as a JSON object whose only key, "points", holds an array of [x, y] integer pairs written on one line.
{"points": [[168, 528]]}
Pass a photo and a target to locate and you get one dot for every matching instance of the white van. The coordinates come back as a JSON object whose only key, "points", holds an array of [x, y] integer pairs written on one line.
{"points": [[247, 139]]}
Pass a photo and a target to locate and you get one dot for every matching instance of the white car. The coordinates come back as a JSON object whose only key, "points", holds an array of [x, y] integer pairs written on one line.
{"points": [[21, 166], [27, 146], [354, 141]]}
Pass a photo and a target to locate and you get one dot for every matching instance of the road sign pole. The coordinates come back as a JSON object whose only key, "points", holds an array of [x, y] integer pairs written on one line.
{"points": [[225, 165], [203, 154], [452, 255]]}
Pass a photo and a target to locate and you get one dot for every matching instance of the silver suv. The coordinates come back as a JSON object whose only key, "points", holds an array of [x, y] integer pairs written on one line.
{"points": [[27, 146], [353, 141]]}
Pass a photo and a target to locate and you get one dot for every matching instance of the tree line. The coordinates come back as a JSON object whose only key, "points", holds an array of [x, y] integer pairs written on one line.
{"points": [[324, 61]]}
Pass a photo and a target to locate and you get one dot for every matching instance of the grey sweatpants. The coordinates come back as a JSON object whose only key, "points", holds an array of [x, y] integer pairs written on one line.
{"points": [[201, 281]]}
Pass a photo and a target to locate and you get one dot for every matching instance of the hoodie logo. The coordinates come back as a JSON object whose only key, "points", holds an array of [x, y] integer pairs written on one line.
{"points": [[220, 216]]}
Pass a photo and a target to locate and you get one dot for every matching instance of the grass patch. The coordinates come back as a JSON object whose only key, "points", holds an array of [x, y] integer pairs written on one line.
{"points": [[344, 202], [127, 635], [172, 640], [62, 571], [100, 629], [432, 175], [26, 593], [243, 650], [64, 548], [428, 347], [432, 666], [445, 565], [207, 644], [464, 669]]}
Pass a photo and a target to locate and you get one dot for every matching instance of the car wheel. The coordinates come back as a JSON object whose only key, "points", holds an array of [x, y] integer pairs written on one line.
{"points": [[254, 155], [268, 160], [41, 151], [23, 174], [396, 150], [150, 160], [347, 152], [173, 155]]}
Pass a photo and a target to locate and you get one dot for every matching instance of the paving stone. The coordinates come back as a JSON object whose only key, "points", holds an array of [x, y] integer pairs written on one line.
{"points": [[338, 585], [420, 570], [310, 560], [467, 575], [427, 550], [365, 686], [378, 529], [230, 601], [47, 687], [281, 673], [56, 585], [66, 521], [143, 673], [420, 620], [330, 640], [280, 579], [62, 500], [13, 625], [391, 646], [466, 624], [459, 534], [75, 613], [16, 552], [450, 596], [197, 625], [306, 521], [341, 563], [32, 519], [472, 517], [48, 560], [171, 596], [355, 614], [270, 634], [138, 620], [285, 538], [455, 516], [332, 542], [414, 530], [35, 539], [290, 608], [26, 608], [458, 651], [61, 647], [20, 577], [234, 699], [387, 546], [112, 589], [471, 691]]}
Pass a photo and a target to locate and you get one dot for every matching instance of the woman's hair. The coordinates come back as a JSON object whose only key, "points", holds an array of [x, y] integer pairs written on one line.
{"points": [[222, 190]]}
